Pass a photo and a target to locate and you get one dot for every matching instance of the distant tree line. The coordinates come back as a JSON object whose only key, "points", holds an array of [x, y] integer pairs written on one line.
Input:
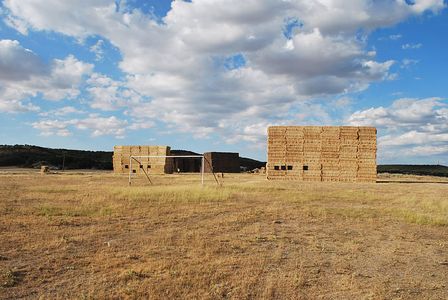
{"points": [[29, 156], [428, 170]]}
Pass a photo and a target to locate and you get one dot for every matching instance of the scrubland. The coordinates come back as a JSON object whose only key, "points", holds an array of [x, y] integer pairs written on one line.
{"points": [[89, 235]]}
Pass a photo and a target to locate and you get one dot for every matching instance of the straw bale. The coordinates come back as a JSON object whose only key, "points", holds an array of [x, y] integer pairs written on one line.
{"points": [[276, 130], [367, 130], [294, 146], [276, 147], [311, 148], [329, 160], [367, 142], [353, 142], [312, 174], [350, 161], [277, 141], [330, 169], [311, 157], [367, 155], [352, 147], [345, 156], [126, 149], [135, 150], [332, 129], [330, 148], [367, 161], [351, 173], [312, 178], [118, 149], [294, 160], [348, 128], [330, 154]]}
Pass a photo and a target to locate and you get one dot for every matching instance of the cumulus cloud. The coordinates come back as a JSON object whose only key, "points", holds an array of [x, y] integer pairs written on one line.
{"points": [[178, 71], [58, 123], [18, 63], [102, 125], [63, 111], [107, 94], [413, 127], [53, 127], [95, 124], [23, 75]]}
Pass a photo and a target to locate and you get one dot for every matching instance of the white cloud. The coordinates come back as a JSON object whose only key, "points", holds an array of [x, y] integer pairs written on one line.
{"points": [[16, 106], [395, 37], [408, 127], [53, 127], [97, 125], [23, 75], [407, 63], [18, 63], [66, 76], [63, 111], [98, 50], [411, 46], [141, 124], [103, 125], [108, 94], [175, 70]]}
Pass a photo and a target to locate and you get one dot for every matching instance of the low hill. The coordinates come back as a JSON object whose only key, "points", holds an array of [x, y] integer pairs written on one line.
{"points": [[431, 170], [251, 164], [28, 156]]}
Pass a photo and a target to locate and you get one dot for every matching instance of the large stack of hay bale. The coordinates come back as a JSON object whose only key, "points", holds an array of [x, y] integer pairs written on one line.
{"points": [[322, 153], [151, 165], [222, 162]]}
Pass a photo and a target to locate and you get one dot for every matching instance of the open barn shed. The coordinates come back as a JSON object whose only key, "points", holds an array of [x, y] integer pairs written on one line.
{"points": [[222, 162]]}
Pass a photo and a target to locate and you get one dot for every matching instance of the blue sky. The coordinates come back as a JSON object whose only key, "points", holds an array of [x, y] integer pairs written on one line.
{"points": [[211, 76]]}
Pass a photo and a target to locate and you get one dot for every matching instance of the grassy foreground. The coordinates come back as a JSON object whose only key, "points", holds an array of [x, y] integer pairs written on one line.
{"points": [[89, 235]]}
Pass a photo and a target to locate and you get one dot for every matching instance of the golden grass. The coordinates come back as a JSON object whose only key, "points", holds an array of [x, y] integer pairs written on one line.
{"points": [[172, 194], [90, 235]]}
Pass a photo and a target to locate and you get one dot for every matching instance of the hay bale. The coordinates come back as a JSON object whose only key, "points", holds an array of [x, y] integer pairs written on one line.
{"points": [[44, 170]]}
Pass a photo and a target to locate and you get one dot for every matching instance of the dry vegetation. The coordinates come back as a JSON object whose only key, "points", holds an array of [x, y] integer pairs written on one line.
{"points": [[89, 235]]}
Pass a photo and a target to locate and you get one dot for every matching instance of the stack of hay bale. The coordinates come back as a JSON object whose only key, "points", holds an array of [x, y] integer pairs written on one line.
{"points": [[276, 152], [348, 154], [366, 154], [312, 148], [294, 151], [328, 153], [152, 165]]}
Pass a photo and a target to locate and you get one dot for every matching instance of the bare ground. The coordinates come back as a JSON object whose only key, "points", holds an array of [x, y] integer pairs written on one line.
{"points": [[89, 235]]}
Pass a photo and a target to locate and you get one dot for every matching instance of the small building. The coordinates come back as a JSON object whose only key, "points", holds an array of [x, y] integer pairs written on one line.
{"points": [[322, 153], [152, 165], [222, 162]]}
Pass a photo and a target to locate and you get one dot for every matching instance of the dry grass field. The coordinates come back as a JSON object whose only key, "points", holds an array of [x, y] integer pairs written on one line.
{"points": [[88, 235]]}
